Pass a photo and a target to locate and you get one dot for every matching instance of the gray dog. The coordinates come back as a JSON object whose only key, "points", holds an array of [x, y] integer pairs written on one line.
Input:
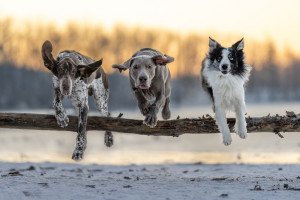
{"points": [[150, 80]]}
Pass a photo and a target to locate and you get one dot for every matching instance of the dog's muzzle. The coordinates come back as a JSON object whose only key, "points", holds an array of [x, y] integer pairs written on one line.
{"points": [[224, 69], [66, 86], [65, 89], [142, 83]]}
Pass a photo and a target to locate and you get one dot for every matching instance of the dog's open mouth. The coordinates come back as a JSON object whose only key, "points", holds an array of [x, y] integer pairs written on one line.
{"points": [[143, 86], [224, 72], [66, 92]]}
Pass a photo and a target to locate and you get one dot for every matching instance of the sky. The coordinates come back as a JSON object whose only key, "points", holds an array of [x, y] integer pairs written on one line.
{"points": [[258, 19]]}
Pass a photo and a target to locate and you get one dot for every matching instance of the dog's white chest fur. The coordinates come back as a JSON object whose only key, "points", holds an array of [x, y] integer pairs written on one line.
{"points": [[228, 90]]}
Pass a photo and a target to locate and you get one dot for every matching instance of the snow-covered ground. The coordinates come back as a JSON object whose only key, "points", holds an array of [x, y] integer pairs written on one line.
{"points": [[178, 181]]}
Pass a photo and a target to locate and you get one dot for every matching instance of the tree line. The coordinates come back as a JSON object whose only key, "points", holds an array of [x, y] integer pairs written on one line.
{"points": [[24, 83]]}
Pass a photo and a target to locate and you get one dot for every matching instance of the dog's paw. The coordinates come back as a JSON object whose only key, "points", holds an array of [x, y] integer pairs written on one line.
{"points": [[150, 120], [227, 139], [77, 155], [242, 132], [62, 120], [108, 139]]}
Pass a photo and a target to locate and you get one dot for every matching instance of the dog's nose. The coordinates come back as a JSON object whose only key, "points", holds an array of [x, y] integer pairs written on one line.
{"points": [[224, 67], [143, 78]]}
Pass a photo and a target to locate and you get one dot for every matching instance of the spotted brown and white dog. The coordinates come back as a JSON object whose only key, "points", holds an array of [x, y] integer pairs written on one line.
{"points": [[77, 76], [224, 74]]}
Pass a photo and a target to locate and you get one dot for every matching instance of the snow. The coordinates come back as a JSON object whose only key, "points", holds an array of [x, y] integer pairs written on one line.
{"points": [[176, 181]]}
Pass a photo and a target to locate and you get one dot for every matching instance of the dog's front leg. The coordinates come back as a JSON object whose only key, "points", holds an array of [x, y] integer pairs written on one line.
{"points": [[151, 117], [222, 124], [81, 137], [60, 113], [143, 104], [240, 124]]}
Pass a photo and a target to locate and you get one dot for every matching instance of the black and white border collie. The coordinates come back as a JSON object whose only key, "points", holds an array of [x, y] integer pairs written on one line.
{"points": [[224, 74]]}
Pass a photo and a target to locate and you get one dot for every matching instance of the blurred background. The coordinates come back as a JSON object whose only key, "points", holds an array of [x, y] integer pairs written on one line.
{"points": [[114, 30]]}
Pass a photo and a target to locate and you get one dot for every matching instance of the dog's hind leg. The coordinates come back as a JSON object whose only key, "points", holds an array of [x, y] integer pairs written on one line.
{"points": [[166, 113], [101, 95], [222, 123], [108, 139], [240, 124]]}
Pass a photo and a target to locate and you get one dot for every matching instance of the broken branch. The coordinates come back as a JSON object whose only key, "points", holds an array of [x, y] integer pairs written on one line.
{"points": [[176, 127]]}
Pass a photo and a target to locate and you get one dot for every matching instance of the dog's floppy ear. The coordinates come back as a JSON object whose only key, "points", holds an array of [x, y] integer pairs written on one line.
{"points": [[49, 61], [162, 60], [84, 71], [213, 44], [239, 45], [125, 65], [120, 67]]}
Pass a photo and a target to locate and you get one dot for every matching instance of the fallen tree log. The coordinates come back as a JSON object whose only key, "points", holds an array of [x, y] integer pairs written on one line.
{"points": [[202, 125]]}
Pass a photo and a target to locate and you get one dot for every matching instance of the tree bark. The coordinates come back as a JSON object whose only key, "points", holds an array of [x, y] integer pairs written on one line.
{"points": [[203, 125]]}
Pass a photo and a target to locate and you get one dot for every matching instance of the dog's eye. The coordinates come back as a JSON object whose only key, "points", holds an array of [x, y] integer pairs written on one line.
{"points": [[230, 57], [149, 67], [135, 67], [219, 58]]}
